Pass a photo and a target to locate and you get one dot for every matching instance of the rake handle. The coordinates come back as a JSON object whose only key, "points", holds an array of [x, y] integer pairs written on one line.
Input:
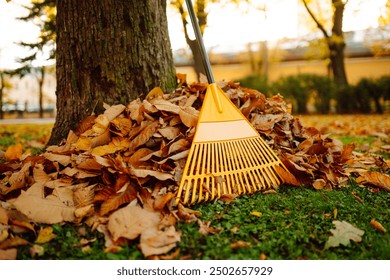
{"points": [[199, 40]]}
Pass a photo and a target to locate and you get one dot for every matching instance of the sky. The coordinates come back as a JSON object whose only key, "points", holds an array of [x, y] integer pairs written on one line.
{"points": [[228, 25]]}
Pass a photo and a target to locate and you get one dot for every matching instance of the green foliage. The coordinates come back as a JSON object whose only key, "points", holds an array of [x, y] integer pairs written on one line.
{"points": [[301, 87], [257, 82], [366, 96]]}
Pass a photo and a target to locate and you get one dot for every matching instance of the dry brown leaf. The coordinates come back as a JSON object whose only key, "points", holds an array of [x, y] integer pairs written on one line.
{"points": [[206, 229], [142, 173], [3, 216], [129, 222], [62, 159], [189, 116], [164, 105], [17, 218], [286, 176], [169, 132], [113, 111], [101, 124], [18, 179], [162, 200], [82, 195], [319, 184], [117, 199], [49, 210], [377, 179], [108, 149], [157, 242], [13, 242], [8, 254], [143, 136]]}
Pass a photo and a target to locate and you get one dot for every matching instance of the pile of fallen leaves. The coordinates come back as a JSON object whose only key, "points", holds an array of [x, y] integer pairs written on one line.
{"points": [[119, 171]]}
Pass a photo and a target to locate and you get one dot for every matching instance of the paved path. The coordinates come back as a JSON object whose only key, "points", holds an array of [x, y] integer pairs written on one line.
{"points": [[26, 121]]}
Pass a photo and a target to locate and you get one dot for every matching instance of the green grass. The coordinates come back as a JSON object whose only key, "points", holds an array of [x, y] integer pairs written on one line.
{"points": [[295, 223]]}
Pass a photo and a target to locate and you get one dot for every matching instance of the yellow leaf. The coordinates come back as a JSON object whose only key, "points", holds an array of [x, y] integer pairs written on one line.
{"points": [[154, 93], [240, 244], [45, 235], [106, 149], [256, 213]]}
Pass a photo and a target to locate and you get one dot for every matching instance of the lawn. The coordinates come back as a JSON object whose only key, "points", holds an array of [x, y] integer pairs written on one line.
{"points": [[290, 223]]}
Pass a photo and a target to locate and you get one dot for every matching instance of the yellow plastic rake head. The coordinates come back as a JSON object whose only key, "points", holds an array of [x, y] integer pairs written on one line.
{"points": [[227, 155]]}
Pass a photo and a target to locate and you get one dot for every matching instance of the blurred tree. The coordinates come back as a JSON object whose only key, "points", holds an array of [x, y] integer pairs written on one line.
{"points": [[381, 47], [42, 52], [4, 85], [201, 14], [334, 38], [108, 52]]}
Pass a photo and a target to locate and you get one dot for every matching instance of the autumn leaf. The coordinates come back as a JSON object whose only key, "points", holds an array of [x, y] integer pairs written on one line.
{"points": [[131, 221], [37, 209], [377, 179], [45, 235], [13, 152], [156, 242], [8, 254], [189, 116], [240, 244], [378, 226], [342, 235]]}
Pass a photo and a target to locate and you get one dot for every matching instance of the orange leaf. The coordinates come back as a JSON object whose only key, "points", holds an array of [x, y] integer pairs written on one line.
{"points": [[377, 179], [115, 200], [319, 184], [377, 225], [13, 152]]}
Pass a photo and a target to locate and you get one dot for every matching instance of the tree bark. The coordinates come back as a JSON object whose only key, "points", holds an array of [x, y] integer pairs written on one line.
{"points": [[108, 52]]}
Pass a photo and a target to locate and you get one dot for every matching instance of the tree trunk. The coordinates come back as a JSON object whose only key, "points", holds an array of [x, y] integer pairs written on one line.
{"points": [[336, 44], [41, 79], [1, 95], [108, 52], [335, 41]]}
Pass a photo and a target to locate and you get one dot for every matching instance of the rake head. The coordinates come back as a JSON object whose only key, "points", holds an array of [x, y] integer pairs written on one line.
{"points": [[227, 155]]}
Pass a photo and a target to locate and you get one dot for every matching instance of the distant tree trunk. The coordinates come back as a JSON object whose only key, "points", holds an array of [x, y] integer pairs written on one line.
{"points": [[41, 79], [1, 95], [108, 52], [335, 40], [202, 20]]}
